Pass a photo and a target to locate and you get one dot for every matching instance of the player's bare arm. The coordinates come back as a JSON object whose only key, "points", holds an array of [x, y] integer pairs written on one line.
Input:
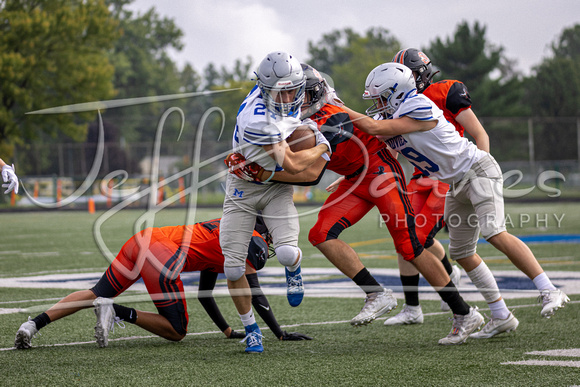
{"points": [[391, 127], [469, 121], [295, 162], [310, 174]]}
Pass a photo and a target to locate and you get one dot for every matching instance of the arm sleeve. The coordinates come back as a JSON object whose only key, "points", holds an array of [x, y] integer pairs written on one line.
{"points": [[207, 281], [262, 306]]}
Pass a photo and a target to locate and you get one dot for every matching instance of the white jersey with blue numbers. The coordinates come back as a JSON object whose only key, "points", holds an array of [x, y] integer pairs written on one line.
{"points": [[441, 152], [256, 127]]}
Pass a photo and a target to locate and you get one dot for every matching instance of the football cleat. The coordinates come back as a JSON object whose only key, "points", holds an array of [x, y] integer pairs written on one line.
{"points": [[376, 304], [409, 315], [455, 278], [462, 327], [253, 339], [495, 326], [25, 333], [295, 287], [105, 319], [552, 300]]}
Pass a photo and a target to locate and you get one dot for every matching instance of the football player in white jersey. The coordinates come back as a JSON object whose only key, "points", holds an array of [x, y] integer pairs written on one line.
{"points": [[9, 177], [266, 118], [416, 128]]}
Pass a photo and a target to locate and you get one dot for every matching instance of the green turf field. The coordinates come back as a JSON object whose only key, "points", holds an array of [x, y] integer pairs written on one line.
{"points": [[65, 242]]}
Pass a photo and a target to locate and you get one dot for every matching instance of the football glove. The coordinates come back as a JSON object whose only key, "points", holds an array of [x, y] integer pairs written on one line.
{"points": [[294, 336], [320, 139], [331, 96], [236, 335], [10, 178], [238, 165]]}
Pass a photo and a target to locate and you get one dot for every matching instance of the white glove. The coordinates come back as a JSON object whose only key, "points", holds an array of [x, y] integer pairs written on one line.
{"points": [[320, 139], [331, 96], [10, 178]]}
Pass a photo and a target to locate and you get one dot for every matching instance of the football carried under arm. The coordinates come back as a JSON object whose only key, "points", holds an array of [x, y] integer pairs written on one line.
{"points": [[295, 162], [302, 138]]}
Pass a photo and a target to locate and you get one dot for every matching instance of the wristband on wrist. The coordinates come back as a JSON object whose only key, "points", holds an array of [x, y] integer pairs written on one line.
{"points": [[270, 177]]}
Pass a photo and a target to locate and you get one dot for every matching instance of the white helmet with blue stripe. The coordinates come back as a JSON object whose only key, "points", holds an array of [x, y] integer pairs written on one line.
{"points": [[282, 81], [389, 84]]}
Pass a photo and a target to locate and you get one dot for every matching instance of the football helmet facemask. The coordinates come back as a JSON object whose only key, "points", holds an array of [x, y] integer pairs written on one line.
{"points": [[389, 84], [281, 82], [314, 91]]}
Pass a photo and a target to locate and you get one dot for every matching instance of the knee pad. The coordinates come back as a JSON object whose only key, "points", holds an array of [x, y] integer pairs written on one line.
{"points": [[287, 255], [234, 273]]}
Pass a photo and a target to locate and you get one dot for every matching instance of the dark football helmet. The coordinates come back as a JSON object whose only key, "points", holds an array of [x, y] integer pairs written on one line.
{"points": [[419, 63], [314, 91]]}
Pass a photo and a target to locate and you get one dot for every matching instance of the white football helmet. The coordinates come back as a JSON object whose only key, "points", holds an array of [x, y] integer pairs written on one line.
{"points": [[389, 85], [281, 73]]}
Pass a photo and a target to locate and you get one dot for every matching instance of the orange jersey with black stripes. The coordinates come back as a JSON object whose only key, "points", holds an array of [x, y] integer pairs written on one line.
{"points": [[450, 96], [201, 242], [348, 155]]}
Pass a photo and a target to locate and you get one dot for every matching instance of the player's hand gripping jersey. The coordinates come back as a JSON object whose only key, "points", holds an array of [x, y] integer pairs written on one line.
{"points": [[349, 144], [440, 152]]}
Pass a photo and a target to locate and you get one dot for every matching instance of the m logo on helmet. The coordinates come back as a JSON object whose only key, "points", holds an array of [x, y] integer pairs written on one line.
{"points": [[424, 58]]}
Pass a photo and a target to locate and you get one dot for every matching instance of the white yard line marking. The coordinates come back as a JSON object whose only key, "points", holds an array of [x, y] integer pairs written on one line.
{"points": [[570, 352], [41, 254], [574, 352], [551, 363]]}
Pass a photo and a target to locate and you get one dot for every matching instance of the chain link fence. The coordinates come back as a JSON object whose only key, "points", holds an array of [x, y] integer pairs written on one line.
{"points": [[531, 151]]}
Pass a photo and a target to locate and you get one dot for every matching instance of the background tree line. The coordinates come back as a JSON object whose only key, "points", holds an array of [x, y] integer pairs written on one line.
{"points": [[60, 52]]}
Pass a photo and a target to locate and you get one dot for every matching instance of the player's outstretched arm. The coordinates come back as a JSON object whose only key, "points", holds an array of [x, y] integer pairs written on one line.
{"points": [[390, 127], [207, 280]]}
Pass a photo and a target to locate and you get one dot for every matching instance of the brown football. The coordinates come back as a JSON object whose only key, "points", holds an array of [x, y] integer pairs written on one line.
{"points": [[302, 138]]}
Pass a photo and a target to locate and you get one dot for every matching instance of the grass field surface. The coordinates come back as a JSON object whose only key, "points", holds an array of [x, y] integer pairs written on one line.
{"points": [[67, 244]]}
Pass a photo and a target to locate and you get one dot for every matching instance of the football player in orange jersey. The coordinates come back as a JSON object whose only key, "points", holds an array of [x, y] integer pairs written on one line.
{"points": [[159, 256]]}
